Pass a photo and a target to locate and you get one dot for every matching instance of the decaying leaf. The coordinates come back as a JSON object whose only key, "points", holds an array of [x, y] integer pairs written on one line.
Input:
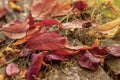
{"points": [[1, 77], [3, 11], [46, 41], [88, 61], [42, 9], [77, 24], [36, 63], [55, 57], [114, 50], [16, 29], [12, 69]]}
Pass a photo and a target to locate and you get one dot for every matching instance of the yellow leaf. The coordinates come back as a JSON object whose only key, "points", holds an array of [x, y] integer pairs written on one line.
{"points": [[1, 77], [15, 7]]}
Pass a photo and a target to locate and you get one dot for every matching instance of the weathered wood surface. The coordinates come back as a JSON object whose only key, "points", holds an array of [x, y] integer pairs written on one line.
{"points": [[72, 71]]}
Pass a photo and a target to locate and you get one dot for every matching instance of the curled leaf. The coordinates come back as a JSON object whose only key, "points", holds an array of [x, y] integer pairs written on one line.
{"points": [[36, 63], [46, 41], [88, 61], [12, 69], [114, 50]]}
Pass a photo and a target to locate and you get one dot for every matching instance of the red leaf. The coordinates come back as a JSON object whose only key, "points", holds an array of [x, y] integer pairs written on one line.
{"points": [[64, 52], [43, 9], [99, 51], [52, 57], [80, 5], [46, 41], [12, 69], [88, 61], [3, 11], [48, 23], [26, 52], [114, 50], [16, 29], [31, 20], [17, 26], [36, 63]]}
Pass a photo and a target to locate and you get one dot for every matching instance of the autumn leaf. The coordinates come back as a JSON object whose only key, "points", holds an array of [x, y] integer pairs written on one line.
{"points": [[80, 5], [47, 23], [16, 29], [43, 9], [3, 11], [55, 57], [12, 69], [114, 50], [88, 61], [46, 41], [35, 66]]}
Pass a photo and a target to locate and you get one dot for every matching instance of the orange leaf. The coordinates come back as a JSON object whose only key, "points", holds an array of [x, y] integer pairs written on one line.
{"points": [[21, 41]]}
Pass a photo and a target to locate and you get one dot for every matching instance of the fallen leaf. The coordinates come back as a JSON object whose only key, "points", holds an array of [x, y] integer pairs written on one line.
{"points": [[25, 52], [46, 41], [14, 6], [3, 11], [48, 23], [16, 29], [43, 9], [12, 69], [55, 57], [88, 61], [1, 77], [77, 24], [21, 41], [80, 5], [62, 8], [114, 50], [34, 68]]}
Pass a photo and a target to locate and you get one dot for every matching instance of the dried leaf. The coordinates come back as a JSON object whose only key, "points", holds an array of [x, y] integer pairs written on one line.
{"points": [[16, 29], [15, 6], [1, 77], [46, 41], [55, 57], [3, 11], [47, 23], [114, 50], [77, 24], [88, 61], [36, 63], [84, 47], [21, 41], [12, 69], [42, 9], [80, 5]]}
